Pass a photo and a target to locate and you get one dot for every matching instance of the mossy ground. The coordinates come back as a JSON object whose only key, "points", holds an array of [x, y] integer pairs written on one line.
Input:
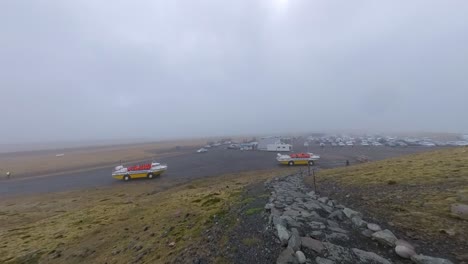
{"points": [[117, 225]]}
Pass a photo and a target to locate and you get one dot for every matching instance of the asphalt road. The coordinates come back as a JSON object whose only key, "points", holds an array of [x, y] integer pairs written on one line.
{"points": [[187, 166], [196, 165]]}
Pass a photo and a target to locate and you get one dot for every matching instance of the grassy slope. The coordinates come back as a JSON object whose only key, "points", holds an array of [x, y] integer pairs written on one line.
{"points": [[413, 192], [111, 225]]}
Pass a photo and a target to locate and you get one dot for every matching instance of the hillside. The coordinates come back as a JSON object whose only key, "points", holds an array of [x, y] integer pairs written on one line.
{"points": [[130, 223], [413, 193]]}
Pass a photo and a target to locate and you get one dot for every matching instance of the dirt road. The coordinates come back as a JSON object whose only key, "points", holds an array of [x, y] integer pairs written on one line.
{"points": [[196, 165]]}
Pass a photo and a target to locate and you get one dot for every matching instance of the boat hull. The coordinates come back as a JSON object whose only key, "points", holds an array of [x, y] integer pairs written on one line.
{"points": [[138, 174]]}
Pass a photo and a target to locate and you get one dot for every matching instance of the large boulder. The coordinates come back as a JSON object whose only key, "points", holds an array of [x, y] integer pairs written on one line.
{"points": [[422, 259], [369, 257], [385, 237]]}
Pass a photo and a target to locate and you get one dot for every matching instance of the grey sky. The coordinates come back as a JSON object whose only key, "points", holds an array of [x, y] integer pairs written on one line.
{"points": [[82, 70]]}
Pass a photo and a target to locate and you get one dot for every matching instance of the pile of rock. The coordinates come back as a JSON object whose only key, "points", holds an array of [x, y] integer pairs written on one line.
{"points": [[316, 229]]}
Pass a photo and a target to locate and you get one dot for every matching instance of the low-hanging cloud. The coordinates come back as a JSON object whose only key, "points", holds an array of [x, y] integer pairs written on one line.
{"points": [[85, 70]]}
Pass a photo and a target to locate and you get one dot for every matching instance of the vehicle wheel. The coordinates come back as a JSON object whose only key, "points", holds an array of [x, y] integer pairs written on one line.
{"points": [[291, 163], [311, 163], [150, 176], [126, 178]]}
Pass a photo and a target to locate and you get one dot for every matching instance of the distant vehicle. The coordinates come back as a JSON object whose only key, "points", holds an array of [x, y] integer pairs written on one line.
{"points": [[306, 144], [149, 171], [377, 144], [350, 143], [364, 143], [402, 144], [334, 144], [233, 146], [216, 144], [202, 150], [60, 155], [341, 144], [279, 147], [427, 144], [207, 146], [297, 159]]}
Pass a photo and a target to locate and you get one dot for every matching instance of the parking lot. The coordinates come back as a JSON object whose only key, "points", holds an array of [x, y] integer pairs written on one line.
{"points": [[193, 165]]}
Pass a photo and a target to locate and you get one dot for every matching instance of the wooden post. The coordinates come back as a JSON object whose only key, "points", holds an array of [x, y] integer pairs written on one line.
{"points": [[315, 184]]}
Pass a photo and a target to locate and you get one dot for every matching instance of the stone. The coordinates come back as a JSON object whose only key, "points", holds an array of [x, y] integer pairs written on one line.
{"points": [[339, 254], [332, 223], [327, 208], [367, 233], [404, 251], [373, 227], [320, 260], [338, 230], [316, 225], [351, 213], [301, 258], [279, 205], [358, 222], [337, 237], [287, 256], [323, 200], [312, 244], [316, 234], [295, 240], [331, 203], [385, 237], [268, 206], [369, 257], [401, 242], [290, 222], [459, 211], [291, 212], [422, 259], [336, 215], [283, 234], [312, 205]]}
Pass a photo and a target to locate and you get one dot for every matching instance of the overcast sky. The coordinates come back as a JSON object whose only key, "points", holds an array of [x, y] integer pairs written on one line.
{"points": [[85, 70]]}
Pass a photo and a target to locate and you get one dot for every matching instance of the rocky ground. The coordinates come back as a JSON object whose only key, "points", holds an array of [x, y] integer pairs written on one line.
{"points": [[314, 229], [283, 221]]}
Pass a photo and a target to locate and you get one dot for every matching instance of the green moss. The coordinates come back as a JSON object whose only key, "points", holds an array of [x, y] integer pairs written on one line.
{"points": [[211, 201], [250, 241], [253, 211]]}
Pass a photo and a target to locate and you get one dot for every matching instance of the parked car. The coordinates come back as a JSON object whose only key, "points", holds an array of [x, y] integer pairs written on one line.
{"points": [[202, 150]]}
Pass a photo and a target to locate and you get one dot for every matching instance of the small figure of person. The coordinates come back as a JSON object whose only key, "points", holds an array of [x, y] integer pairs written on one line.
{"points": [[8, 175], [347, 162]]}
